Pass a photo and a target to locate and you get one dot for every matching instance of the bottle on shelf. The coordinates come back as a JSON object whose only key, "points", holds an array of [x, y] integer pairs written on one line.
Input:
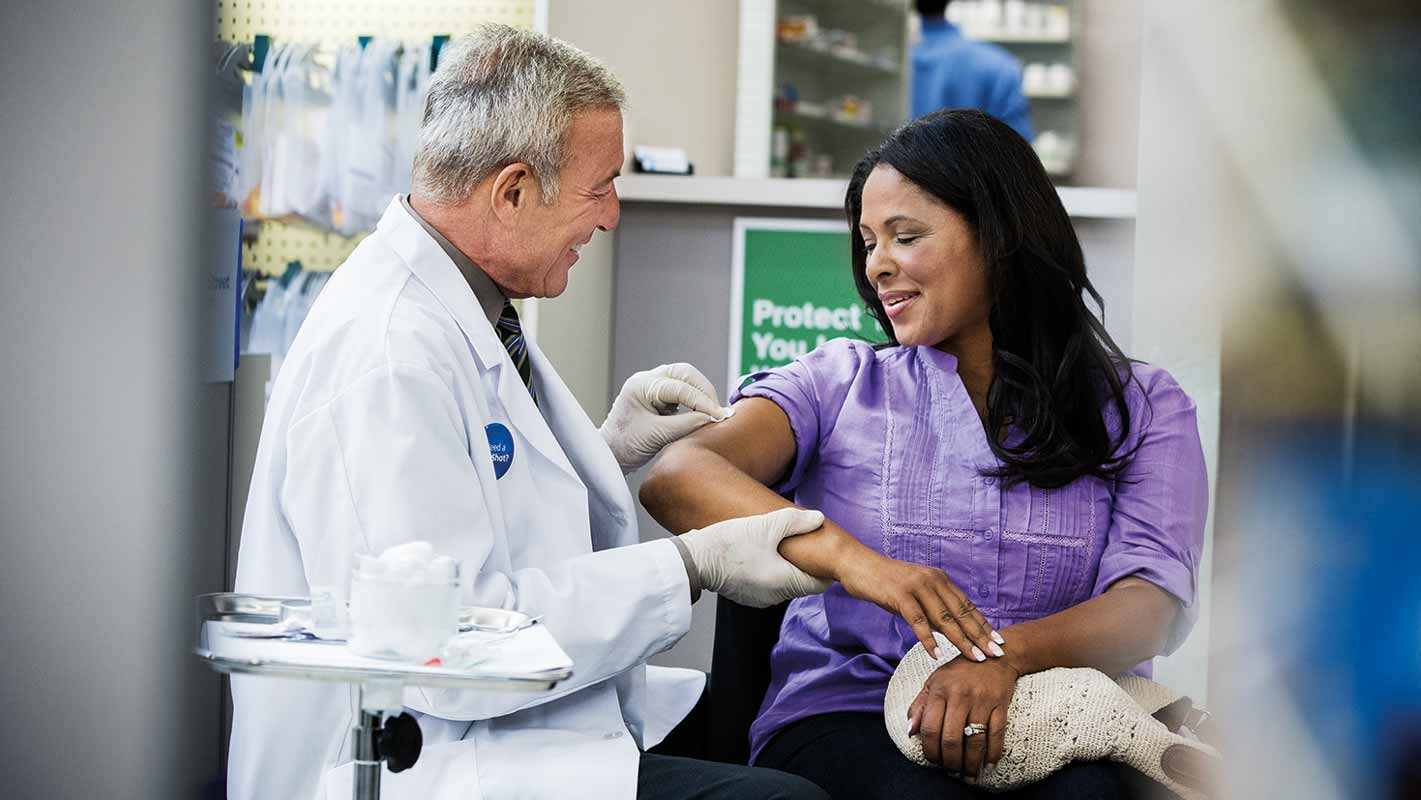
{"points": [[779, 152], [798, 154]]}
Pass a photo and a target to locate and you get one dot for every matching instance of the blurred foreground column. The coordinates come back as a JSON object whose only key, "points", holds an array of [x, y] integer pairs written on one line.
{"points": [[1280, 169], [106, 496]]}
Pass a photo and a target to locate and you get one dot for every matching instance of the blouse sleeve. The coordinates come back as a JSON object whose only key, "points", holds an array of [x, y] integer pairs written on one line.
{"points": [[810, 391], [1157, 527]]}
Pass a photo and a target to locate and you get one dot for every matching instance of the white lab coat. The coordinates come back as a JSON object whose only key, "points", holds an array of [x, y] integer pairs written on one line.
{"points": [[375, 435]]}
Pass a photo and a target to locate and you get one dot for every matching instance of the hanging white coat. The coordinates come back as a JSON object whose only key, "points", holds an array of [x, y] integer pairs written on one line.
{"points": [[376, 435]]}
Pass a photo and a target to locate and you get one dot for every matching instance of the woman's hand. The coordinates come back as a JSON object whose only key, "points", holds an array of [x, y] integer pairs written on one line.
{"points": [[925, 598], [958, 694]]}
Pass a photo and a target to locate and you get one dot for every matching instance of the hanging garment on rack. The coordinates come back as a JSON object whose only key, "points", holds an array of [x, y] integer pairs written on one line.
{"points": [[304, 292], [332, 138], [268, 331], [305, 104], [278, 317], [373, 157], [341, 135], [270, 194], [282, 147], [410, 94], [254, 128]]}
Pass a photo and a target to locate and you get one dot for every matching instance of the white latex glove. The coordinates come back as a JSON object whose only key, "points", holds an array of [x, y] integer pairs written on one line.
{"points": [[740, 559], [644, 417]]}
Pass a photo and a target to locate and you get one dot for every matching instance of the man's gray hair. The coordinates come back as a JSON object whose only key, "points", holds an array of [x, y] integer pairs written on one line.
{"points": [[502, 96]]}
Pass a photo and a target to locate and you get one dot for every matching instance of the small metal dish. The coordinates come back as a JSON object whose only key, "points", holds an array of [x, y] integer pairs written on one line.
{"points": [[492, 620]]}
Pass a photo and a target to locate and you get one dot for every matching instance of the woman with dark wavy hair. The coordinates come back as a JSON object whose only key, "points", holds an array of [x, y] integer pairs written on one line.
{"points": [[999, 459]]}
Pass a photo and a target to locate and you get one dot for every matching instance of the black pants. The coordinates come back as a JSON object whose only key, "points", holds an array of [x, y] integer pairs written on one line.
{"points": [[850, 755], [676, 769], [676, 778]]}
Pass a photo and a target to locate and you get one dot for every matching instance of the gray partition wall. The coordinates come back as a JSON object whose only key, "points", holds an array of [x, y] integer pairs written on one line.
{"points": [[113, 453], [671, 302]]}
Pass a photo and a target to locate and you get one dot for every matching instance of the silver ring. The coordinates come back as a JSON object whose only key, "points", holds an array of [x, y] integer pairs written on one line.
{"points": [[973, 729]]}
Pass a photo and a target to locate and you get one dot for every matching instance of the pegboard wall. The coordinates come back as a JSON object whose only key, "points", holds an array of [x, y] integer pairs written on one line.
{"points": [[275, 244], [331, 23]]}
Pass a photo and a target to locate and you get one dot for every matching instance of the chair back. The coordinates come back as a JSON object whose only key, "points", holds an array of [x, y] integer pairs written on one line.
{"points": [[740, 675]]}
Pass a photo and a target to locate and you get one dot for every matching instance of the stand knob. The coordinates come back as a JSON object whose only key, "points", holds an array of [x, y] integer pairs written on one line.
{"points": [[399, 742]]}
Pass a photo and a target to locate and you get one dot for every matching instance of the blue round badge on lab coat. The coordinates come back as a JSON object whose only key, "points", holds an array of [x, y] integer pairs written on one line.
{"points": [[500, 444]]}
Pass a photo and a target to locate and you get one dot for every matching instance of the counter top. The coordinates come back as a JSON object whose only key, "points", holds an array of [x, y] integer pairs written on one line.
{"points": [[819, 193]]}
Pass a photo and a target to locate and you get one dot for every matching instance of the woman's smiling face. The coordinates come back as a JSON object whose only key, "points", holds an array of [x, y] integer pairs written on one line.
{"points": [[923, 260]]}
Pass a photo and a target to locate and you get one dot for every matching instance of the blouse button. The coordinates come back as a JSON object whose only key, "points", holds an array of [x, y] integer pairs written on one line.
{"points": [[987, 534], [989, 481]]}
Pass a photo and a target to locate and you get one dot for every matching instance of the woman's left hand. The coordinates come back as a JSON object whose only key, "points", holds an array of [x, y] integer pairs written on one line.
{"points": [[963, 692]]}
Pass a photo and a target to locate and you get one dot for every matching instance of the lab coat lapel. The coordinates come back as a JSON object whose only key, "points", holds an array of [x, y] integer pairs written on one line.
{"points": [[593, 461], [428, 261], [524, 414]]}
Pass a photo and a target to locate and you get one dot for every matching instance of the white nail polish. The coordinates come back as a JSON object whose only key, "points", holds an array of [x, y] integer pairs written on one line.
{"points": [[996, 650], [937, 654], [997, 637], [978, 654]]}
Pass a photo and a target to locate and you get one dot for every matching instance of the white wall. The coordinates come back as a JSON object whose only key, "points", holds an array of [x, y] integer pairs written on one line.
{"points": [[677, 61], [1108, 62], [1179, 246]]}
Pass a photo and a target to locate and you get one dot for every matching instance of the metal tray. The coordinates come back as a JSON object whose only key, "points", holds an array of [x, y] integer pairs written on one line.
{"points": [[267, 608], [492, 620], [231, 607]]}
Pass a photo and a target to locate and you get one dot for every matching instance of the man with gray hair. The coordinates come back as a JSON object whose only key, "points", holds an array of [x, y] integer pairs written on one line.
{"points": [[412, 408]]}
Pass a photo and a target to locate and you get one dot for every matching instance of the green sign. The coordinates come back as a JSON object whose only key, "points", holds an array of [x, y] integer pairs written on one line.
{"points": [[791, 291]]}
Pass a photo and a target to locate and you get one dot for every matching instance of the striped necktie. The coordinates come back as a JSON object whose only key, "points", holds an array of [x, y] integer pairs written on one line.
{"points": [[510, 332]]}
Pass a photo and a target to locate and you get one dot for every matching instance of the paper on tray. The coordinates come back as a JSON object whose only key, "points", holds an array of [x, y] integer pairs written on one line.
{"points": [[526, 653]]}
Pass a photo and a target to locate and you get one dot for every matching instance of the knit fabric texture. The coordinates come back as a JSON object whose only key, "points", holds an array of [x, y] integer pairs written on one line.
{"points": [[1055, 717]]}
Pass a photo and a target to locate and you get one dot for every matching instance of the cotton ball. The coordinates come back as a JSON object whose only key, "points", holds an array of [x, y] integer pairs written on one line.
{"points": [[409, 562], [421, 552], [441, 568]]}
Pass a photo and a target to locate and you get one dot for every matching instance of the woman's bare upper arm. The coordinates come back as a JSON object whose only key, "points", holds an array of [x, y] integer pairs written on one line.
{"points": [[757, 440]]}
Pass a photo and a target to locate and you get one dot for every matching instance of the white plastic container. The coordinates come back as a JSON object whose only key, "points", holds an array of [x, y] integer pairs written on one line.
{"points": [[403, 609]]}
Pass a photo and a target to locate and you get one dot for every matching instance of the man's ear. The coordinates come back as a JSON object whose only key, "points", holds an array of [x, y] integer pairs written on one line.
{"points": [[512, 190]]}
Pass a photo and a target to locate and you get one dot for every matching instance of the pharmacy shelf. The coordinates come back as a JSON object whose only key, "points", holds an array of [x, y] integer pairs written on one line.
{"points": [[828, 120], [825, 193], [1019, 38], [858, 15], [816, 57]]}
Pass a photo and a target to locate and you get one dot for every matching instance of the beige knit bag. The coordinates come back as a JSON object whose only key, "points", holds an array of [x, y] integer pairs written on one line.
{"points": [[1056, 717]]}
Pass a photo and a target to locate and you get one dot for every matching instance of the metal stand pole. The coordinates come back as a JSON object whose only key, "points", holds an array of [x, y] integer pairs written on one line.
{"points": [[383, 736], [367, 758]]}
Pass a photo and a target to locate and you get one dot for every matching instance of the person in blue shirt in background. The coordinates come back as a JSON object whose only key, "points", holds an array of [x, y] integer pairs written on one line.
{"points": [[952, 71]]}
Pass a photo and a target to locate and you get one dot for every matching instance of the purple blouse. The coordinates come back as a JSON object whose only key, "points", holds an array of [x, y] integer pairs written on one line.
{"points": [[889, 446]]}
